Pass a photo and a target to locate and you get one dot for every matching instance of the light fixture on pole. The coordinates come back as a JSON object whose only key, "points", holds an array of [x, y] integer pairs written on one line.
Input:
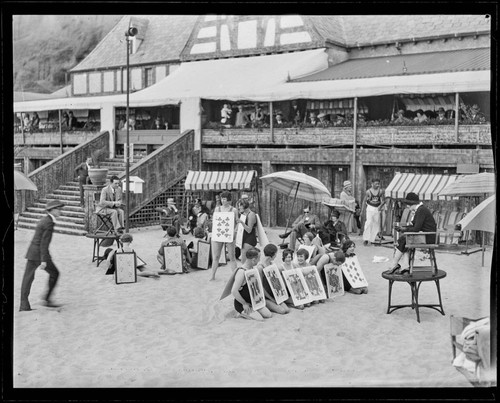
{"points": [[129, 33]]}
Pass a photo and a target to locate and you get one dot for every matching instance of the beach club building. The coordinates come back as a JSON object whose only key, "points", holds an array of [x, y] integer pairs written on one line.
{"points": [[336, 97]]}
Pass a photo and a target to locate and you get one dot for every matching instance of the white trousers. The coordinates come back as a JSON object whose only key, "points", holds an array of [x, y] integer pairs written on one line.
{"points": [[372, 223]]}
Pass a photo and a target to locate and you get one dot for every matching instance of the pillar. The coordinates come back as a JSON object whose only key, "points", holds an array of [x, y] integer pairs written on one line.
{"points": [[91, 195], [266, 209]]}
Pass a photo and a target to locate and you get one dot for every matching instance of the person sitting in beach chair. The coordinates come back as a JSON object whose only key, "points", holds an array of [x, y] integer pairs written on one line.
{"points": [[126, 240], [306, 222], [241, 292], [334, 231], [270, 252]]}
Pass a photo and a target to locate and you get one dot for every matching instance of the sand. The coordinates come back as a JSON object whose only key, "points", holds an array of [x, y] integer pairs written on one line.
{"points": [[174, 332]]}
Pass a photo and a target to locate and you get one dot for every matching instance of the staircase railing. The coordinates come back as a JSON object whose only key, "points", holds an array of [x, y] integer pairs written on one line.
{"points": [[62, 169], [162, 169]]}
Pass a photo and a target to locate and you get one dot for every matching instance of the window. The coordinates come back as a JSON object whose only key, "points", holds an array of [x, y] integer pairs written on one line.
{"points": [[148, 77], [95, 82], [80, 83], [109, 81]]}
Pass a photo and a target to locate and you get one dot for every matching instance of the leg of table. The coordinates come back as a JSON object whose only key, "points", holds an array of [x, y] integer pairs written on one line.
{"points": [[390, 292], [433, 256], [96, 246], [439, 295], [416, 287]]}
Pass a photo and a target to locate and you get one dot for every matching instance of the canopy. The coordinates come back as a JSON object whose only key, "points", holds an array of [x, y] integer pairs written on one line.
{"points": [[481, 218], [427, 186], [72, 103], [471, 185], [429, 103], [219, 180], [240, 78]]}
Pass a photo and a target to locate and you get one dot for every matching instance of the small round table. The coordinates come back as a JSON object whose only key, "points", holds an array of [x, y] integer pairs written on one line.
{"points": [[98, 240], [415, 280]]}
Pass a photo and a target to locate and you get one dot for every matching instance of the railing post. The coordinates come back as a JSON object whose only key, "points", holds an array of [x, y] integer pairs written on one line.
{"points": [[456, 115], [271, 121], [60, 132], [354, 144]]}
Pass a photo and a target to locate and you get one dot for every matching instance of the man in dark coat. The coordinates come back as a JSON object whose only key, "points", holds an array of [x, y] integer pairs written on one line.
{"points": [[39, 257], [422, 221], [82, 172]]}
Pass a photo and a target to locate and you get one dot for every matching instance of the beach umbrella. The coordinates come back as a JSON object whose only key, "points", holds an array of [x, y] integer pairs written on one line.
{"points": [[481, 218], [471, 185], [298, 184], [22, 182], [336, 204]]}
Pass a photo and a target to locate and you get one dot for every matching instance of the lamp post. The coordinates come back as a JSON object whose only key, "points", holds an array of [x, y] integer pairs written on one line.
{"points": [[129, 33]]}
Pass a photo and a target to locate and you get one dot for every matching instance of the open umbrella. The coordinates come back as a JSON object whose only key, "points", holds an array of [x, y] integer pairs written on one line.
{"points": [[481, 218], [471, 185], [299, 185], [22, 182]]}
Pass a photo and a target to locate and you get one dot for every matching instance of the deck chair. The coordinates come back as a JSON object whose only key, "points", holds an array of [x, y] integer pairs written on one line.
{"points": [[104, 223], [416, 240]]}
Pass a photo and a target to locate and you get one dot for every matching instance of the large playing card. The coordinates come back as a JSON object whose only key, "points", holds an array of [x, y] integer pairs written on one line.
{"points": [[256, 290], [239, 232], [276, 283], [223, 226], [297, 286], [334, 283], [353, 273], [314, 283]]}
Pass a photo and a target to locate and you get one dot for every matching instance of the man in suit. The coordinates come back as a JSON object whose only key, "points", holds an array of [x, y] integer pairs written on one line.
{"points": [[423, 220], [305, 222], [39, 257], [82, 172], [110, 203]]}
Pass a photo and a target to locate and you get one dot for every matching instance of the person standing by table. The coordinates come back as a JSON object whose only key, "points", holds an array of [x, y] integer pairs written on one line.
{"points": [[39, 257], [372, 206], [422, 221], [218, 247], [110, 203], [82, 172]]}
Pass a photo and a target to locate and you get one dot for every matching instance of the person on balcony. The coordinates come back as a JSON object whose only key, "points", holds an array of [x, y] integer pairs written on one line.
{"points": [[35, 121], [313, 120], [279, 120], [157, 123], [65, 121], [323, 121], [441, 117], [475, 115], [400, 117], [82, 173], [72, 122], [241, 118], [257, 117], [225, 115], [340, 120], [27, 123], [305, 222], [421, 117], [110, 203]]}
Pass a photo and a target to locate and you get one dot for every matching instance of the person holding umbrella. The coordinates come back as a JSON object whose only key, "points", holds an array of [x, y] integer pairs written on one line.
{"points": [[39, 257]]}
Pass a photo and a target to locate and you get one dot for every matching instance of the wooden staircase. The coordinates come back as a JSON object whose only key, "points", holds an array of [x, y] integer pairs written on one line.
{"points": [[71, 220]]}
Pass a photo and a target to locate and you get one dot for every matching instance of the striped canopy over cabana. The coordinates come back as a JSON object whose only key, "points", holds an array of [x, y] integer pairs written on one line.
{"points": [[219, 180], [471, 185], [426, 186]]}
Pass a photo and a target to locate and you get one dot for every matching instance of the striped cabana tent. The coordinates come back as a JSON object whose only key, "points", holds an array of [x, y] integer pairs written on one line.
{"points": [[219, 180], [426, 186]]}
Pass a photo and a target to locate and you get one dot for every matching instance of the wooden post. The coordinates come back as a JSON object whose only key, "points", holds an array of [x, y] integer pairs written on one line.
{"points": [[271, 121], [354, 144], [60, 131], [456, 115]]}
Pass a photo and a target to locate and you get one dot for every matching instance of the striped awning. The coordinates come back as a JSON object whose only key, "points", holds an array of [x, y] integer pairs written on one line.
{"points": [[432, 103], [426, 186], [472, 185], [219, 180]]}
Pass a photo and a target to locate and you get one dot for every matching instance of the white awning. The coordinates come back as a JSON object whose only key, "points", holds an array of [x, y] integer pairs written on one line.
{"points": [[241, 78], [72, 103]]}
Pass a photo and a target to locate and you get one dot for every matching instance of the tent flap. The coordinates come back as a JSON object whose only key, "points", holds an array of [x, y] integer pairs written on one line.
{"points": [[426, 186], [219, 180]]}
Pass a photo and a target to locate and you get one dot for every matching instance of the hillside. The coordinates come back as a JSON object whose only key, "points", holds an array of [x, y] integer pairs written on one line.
{"points": [[46, 47]]}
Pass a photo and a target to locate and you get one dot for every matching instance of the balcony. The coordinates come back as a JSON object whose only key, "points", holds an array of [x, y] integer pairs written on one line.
{"points": [[45, 139], [444, 135]]}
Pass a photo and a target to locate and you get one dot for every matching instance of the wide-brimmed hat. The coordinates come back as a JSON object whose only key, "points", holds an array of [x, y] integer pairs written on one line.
{"points": [[170, 200], [321, 115], [54, 204], [347, 184], [411, 198], [441, 110]]}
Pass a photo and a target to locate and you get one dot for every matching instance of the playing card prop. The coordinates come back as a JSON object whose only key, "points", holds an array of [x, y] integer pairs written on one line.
{"points": [[334, 282], [261, 233], [125, 267], [256, 290], [239, 232], [223, 226], [314, 282], [297, 286], [353, 273], [173, 257], [203, 255], [276, 283]]}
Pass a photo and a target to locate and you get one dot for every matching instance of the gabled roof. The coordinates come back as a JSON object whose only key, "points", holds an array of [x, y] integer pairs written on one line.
{"points": [[165, 38], [419, 63]]}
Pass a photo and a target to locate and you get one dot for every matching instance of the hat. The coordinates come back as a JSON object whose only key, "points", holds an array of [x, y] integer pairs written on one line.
{"points": [[475, 107], [347, 184], [171, 200], [54, 204], [126, 238], [441, 109], [321, 115], [411, 198], [336, 213]]}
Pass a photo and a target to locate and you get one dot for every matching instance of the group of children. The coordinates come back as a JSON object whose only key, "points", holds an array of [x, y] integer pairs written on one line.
{"points": [[240, 288]]}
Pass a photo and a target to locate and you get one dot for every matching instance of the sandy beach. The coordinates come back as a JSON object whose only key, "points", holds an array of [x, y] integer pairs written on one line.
{"points": [[174, 331]]}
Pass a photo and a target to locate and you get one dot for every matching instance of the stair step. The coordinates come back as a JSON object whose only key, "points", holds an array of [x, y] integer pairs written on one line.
{"points": [[60, 222], [72, 203], [57, 229], [29, 216], [64, 213], [65, 209], [68, 192], [64, 197], [67, 187]]}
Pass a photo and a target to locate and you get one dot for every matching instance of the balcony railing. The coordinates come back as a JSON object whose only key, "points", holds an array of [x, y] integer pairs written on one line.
{"points": [[72, 138], [337, 136]]}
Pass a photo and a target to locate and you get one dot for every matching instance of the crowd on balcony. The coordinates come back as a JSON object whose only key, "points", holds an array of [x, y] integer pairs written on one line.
{"points": [[335, 113], [26, 123]]}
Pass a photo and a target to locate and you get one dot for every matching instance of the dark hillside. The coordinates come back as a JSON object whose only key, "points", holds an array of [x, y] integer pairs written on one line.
{"points": [[46, 47]]}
